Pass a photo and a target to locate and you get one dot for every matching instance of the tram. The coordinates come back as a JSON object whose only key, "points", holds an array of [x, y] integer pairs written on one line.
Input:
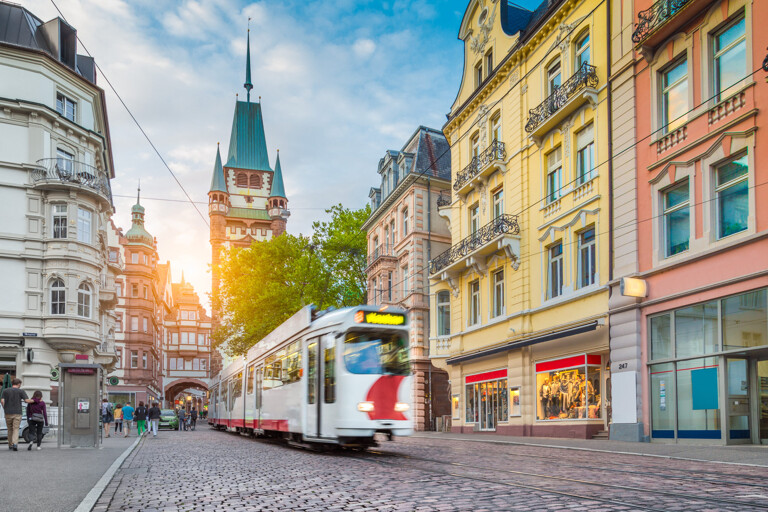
{"points": [[321, 378]]}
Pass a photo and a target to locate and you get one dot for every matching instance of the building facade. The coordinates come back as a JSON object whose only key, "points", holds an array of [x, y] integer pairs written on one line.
{"points": [[56, 164], [520, 299], [404, 231], [698, 367], [246, 199]]}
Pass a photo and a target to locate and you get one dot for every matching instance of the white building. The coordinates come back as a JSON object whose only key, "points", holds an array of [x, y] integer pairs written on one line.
{"points": [[58, 292]]}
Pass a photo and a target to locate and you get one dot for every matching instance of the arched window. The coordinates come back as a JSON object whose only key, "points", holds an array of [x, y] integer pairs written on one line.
{"points": [[84, 301], [443, 313], [242, 180], [58, 297], [255, 181]]}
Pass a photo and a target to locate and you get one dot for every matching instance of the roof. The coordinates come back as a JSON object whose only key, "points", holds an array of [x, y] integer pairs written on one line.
{"points": [[249, 213], [278, 189], [218, 182], [247, 143], [433, 153]]}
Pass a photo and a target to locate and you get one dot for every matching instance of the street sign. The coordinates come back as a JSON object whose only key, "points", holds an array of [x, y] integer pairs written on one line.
{"points": [[29, 334]]}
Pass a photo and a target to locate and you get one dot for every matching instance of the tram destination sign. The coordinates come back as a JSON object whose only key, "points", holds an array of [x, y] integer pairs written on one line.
{"points": [[373, 317]]}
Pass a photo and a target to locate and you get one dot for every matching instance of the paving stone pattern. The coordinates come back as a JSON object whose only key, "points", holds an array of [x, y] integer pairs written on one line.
{"points": [[208, 470]]}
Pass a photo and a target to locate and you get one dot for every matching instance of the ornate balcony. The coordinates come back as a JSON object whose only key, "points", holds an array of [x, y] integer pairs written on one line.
{"points": [[378, 253], [663, 19], [568, 97], [57, 172], [501, 233], [443, 201], [482, 165]]}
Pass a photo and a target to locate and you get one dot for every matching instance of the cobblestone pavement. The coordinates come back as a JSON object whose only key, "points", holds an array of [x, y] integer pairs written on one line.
{"points": [[207, 470]]}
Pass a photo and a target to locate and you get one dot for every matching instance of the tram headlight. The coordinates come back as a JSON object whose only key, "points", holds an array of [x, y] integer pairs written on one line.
{"points": [[365, 406], [401, 407]]}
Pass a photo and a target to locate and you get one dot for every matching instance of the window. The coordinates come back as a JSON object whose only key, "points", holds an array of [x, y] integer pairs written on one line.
{"points": [[582, 51], [175, 338], [196, 366], [676, 219], [585, 155], [58, 297], [392, 230], [241, 180], [497, 308], [496, 128], [119, 289], [375, 246], [146, 324], [587, 266], [135, 259], [406, 287], [498, 203], [65, 161], [443, 313], [330, 374], [474, 218], [201, 339], [568, 388], [119, 358], [387, 240], [145, 291], [555, 270], [184, 315], [66, 107], [732, 190], [554, 170], [134, 358], [488, 63], [203, 364], [474, 145], [474, 302], [553, 77], [389, 286], [478, 74], [730, 56], [255, 181], [674, 95], [405, 221], [134, 290], [59, 221], [84, 301], [134, 323], [250, 380], [185, 338], [144, 360]]}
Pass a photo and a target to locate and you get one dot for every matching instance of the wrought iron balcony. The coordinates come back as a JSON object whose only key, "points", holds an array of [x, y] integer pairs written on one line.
{"points": [[655, 16], [502, 225], [62, 170], [443, 201], [480, 166], [584, 78], [384, 251]]}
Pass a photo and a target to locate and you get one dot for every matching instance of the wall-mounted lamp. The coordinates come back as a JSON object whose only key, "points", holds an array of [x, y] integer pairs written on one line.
{"points": [[634, 287]]}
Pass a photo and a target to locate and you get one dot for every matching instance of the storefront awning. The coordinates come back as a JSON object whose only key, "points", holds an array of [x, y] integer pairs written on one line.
{"points": [[570, 331]]}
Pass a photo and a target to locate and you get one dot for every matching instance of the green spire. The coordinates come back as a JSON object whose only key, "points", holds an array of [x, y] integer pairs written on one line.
{"points": [[248, 85], [278, 189], [138, 234], [219, 182]]}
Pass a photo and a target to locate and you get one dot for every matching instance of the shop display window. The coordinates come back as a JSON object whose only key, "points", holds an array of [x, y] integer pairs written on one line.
{"points": [[514, 401], [487, 403], [455, 407], [569, 389]]}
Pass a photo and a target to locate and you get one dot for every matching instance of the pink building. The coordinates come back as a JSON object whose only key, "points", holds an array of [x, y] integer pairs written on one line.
{"points": [[689, 355]]}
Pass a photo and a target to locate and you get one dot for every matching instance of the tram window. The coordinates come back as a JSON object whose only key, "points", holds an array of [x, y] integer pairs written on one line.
{"points": [[237, 386], [269, 381], [292, 367], [227, 385], [311, 372], [372, 353], [249, 382], [330, 375], [259, 376]]}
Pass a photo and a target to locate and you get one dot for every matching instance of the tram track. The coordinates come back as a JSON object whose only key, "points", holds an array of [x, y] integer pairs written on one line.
{"points": [[739, 504]]}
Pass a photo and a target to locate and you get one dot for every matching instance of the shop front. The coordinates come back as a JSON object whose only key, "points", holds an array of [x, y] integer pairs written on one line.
{"points": [[708, 371]]}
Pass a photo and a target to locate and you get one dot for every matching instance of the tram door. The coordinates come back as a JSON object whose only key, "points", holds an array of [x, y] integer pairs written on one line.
{"points": [[259, 387], [312, 416], [321, 386]]}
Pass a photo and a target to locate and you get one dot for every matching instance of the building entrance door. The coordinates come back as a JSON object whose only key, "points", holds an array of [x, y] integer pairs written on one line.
{"points": [[488, 405], [738, 401]]}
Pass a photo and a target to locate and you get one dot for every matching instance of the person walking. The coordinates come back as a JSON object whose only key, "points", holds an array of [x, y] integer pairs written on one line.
{"points": [[107, 414], [11, 402], [37, 416], [141, 419], [127, 418], [193, 418], [182, 417], [118, 414], [154, 418]]}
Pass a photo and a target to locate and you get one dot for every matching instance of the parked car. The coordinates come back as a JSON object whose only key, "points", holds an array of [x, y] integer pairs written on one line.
{"points": [[23, 428], [168, 419]]}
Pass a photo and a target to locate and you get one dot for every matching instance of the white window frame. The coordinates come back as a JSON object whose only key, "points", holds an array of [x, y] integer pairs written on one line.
{"points": [[134, 324], [474, 146], [59, 221], [135, 258], [588, 256], [554, 70], [65, 161], [66, 106], [58, 297], [725, 186], [474, 303], [720, 93], [667, 124], [405, 221], [134, 359], [144, 360], [84, 225], [665, 212], [583, 44], [497, 293], [555, 270], [443, 302], [496, 127], [585, 155], [406, 283], [145, 324], [474, 218], [554, 178], [84, 296], [497, 199]]}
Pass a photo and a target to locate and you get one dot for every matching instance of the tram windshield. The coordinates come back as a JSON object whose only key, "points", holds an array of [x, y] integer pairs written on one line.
{"points": [[376, 352]]}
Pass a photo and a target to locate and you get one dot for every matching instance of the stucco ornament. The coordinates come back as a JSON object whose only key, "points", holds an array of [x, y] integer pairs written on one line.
{"points": [[484, 25], [482, 123]]}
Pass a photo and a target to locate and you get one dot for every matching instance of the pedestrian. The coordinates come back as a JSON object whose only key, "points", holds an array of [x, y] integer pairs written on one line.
{"points": [[107, 414], [118, 414], [154, 418], [141, 419], [193, 418], [182, 417], [37, 416], [11, 402], [127, 418]]}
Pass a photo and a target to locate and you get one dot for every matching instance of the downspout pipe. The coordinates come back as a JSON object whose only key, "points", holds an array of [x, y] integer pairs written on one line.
{"points": [[610, 145], [427, 323]]}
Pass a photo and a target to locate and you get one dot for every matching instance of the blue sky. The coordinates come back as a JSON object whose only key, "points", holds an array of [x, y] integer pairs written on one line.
{"points": [[341, 82]]}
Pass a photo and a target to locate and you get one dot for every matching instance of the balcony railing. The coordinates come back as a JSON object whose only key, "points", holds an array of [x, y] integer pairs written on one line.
{"points": [[381, 252], [107, 347], [443, 201], [585, 76], [71, 171], [655, 16], [502, 225], [495, 151]]}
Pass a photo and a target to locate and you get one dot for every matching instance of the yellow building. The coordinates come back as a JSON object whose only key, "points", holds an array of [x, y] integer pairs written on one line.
{"points": [[520, 300]]}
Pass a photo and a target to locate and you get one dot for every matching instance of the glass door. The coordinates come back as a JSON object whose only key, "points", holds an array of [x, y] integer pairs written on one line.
{"points": [[762, 398], [487, 404], [738, 401]]}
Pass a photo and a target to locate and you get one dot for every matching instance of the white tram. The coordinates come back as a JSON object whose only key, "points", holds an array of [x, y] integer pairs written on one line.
{"points": [[337, 377]]}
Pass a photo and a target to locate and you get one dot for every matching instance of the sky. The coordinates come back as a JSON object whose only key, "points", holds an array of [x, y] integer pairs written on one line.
{"points": [[341, 82]]}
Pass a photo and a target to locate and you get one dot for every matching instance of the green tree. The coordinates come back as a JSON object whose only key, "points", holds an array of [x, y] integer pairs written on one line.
{"points": [[263, 285]]}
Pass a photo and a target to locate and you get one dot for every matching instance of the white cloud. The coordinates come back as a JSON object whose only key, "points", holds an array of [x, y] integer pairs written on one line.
{"points": [[364, 47]]}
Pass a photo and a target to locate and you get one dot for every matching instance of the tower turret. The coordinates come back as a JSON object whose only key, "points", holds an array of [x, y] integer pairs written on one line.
{"points": [[218, 208], [277, 202]]}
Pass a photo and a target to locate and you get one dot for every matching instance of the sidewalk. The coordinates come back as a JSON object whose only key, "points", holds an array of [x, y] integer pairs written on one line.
{"points": [[52, 479], [739, 454]]}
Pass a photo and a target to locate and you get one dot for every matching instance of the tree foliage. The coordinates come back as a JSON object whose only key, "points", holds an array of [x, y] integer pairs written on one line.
{"points": [[263, 285]]}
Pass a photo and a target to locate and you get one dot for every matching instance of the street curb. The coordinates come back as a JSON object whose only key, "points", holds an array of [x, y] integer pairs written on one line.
{"points": [[95, 493], [539, 445]]}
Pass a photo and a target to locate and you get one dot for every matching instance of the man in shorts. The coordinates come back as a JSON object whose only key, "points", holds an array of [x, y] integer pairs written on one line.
{"points": [[11, 402], [127, 417]]}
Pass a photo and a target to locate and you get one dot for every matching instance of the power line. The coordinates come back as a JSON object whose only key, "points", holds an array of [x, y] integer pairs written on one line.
{"points": [[202, 202], [135, 120]]}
